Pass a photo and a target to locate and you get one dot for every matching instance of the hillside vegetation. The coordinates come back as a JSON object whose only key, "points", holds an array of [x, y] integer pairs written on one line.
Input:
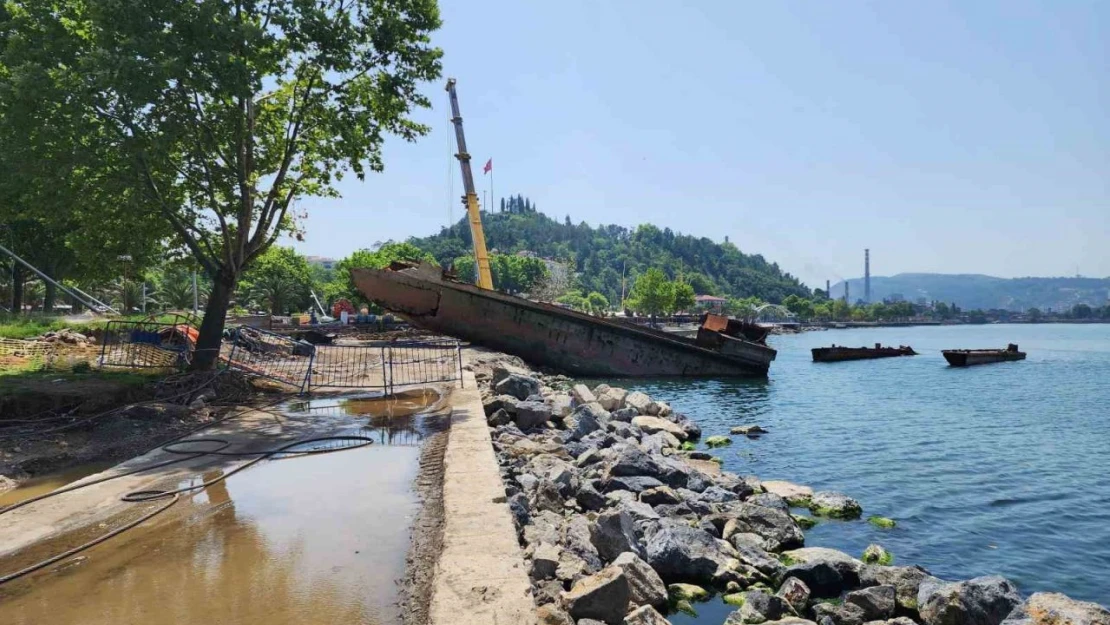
{"points": [[598, 256], [972, 291]]}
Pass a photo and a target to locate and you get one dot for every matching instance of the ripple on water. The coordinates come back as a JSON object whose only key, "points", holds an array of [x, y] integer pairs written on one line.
{"points": [[994, 469]]}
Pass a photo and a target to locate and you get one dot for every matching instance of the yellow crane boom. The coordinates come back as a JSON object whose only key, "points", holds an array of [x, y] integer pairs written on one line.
{"points": [[470, 200]]}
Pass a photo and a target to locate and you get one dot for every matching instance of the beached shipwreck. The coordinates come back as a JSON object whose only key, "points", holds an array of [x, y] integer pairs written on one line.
{"points": [[564, 339]]}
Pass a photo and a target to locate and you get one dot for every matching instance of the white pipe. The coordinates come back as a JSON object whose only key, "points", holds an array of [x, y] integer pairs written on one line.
{"points": [[101, 306]]}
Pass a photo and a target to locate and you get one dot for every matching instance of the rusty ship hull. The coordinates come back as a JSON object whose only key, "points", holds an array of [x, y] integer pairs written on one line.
{"points": [[549, 335], [971, 357], [838, 353]]}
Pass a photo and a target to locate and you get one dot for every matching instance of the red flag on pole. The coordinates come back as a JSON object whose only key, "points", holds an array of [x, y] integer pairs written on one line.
{"points": [[489, 167]]}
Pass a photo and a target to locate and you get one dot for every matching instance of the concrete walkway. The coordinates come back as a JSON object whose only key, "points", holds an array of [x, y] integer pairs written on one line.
{"points": [[480, 578]]}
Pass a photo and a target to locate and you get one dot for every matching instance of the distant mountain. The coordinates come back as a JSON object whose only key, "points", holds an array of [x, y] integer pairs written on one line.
{"points": [[600, 255], [971, 291]]}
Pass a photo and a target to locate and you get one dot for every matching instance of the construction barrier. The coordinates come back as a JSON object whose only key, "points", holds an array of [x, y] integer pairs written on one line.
{"points": [[146, 345]]}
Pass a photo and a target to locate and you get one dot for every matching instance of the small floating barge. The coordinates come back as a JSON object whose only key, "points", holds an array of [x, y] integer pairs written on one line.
{"points": [[837, 353], [969, 357], [574, 342]]}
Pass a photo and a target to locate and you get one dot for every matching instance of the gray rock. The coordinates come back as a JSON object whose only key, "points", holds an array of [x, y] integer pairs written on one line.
{"points": [[517, 385], [561, 406], [577, 540], [499, 417], [775, 526], [651, 425], [588, 457], [660, 495], [758, 559], [827, 572], [582, 394], [795, 592], [716, 494], [549, 614], [838, 614], [679, 552], [769, 500], [612, 398], [508, 403], [518, 506], [877, 602], [603, 596], [547, 591], [572, 568], [980, 601], [876, 554], [631, 460], [689, 428], [834, 505], [624, 430], [905, 579], [1050, 608], [747, 539], [638, 401], [635, 484], [645, 615], [545, 561], [532, 414], [547, 496], [561, 472], [625, 415], [641, 512], [760, 607], [613, 533], [751, 431], [644, 584], [588, 418], [589, 499]]}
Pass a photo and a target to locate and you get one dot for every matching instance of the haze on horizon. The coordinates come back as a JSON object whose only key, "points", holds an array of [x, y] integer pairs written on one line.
{"points": [[945, 137]]}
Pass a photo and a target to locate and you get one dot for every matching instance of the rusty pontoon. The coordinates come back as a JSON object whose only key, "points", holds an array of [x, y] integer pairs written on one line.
{"points": [[549, 335]]}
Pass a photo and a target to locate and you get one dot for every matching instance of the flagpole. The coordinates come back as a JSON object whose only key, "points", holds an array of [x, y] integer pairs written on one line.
{"points": [[492, 196]]}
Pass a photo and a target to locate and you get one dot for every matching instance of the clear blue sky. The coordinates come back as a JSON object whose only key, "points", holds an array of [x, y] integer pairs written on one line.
{"points": [[955, 137]]}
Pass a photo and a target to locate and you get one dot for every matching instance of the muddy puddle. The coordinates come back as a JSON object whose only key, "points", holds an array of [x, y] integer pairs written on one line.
{"points": [[293, 540], [44, 484]]}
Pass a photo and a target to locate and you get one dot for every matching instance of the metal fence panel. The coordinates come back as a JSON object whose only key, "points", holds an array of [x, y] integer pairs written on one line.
{"points": [[349, 366], [427, 361], [270, 355], [145, 344]]}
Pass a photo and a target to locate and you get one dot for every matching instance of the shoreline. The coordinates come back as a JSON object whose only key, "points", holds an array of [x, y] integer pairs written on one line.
{"points": [[617, 514]]}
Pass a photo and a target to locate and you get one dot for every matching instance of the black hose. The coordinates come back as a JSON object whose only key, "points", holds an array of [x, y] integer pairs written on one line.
{"points": [[152, 495]]}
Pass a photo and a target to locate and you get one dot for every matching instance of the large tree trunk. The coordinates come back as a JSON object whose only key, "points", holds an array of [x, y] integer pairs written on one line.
{"points": [[49, 297], [212, 326], [17, 289]]}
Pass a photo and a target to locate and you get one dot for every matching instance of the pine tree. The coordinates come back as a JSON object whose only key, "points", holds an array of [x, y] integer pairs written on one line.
{"points": [[502, 205], [568, 220]]}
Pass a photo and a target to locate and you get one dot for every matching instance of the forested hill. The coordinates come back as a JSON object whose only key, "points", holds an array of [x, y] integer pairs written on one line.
{"points": [[972, 291], [599, 255]]}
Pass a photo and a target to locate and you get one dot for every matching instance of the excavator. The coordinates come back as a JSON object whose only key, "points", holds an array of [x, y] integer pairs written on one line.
{"points": [[470, 200]]}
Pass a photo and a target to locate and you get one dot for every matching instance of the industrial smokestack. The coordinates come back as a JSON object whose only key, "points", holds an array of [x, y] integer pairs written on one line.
{"points": [[867, 276]]}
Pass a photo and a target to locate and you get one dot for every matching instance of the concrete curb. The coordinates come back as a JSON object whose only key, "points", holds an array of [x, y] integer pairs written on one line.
{"points": [[481, 577]]}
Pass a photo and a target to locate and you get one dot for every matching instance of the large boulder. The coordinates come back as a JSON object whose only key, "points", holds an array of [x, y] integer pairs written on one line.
{"points": [[795, 592], [492, 404], [549, 614], [613, 533], [905, 579], [589, 499], [634, 484], [769, 500], [577, 540], [877, 602], [775, 526], [559, 471], [561, 406], [644, 584], [645, 615], [794, 494], [834, 505], [827, 572], [582, 394], [638, 401], [981, 601], [758, 559], [518, 385], [679, 552], [662, 495], [631, 460], [612, 398], [545, 561], [759, 607], [830, 613], [587, 419], [603, 596], [1051, 608], [651, 425]]}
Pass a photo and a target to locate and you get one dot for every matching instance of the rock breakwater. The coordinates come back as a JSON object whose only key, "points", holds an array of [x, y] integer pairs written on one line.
{"points": [[622, 521]]}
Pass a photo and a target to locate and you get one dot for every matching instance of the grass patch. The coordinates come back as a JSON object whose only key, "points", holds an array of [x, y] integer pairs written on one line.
{"points": [[32, 379], [30, 326]]}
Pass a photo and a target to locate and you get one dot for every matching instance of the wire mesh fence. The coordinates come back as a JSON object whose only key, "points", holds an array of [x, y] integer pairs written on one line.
{"points": [[350, 366], [423, 361], [271, 355], [146, 344]]}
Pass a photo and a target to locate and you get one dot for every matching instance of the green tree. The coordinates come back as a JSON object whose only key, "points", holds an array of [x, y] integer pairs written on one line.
{"points": [[1081, 311], [683, 296], [652, 294], [225, 114], [597, 303], [1034, 314], [381, 258], [280, 278]]}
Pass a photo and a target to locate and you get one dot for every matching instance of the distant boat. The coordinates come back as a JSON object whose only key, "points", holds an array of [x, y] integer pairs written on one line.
{"points": [[837, 353], [969, 357]]}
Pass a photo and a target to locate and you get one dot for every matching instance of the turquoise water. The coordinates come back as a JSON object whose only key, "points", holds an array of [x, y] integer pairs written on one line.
{"points": [[1001, 468]]}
